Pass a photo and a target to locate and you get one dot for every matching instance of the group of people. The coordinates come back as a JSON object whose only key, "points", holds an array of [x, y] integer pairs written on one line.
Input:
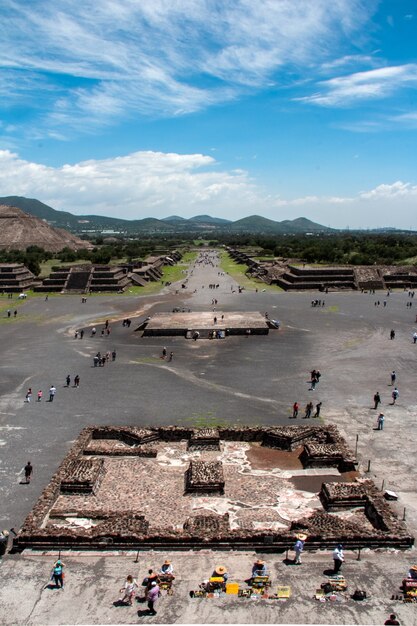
{"points": [[100, 360], [29, 394], [308, 410], [151, 585]]}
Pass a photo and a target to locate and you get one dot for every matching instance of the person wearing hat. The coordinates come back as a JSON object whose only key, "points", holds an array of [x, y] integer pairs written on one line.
{"points": [[166, 568], [412, 573], [299, 547], [259, 568], [220, 572], [152, 597], [338, 557]]}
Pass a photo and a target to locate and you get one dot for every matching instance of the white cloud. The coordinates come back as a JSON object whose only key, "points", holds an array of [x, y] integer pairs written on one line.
{"points": [[377, 83], [94, 61], [155, 184], [138, 185]]}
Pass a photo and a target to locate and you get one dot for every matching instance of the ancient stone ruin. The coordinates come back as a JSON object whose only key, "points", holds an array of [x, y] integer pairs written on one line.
{"points": [[178, 487]]}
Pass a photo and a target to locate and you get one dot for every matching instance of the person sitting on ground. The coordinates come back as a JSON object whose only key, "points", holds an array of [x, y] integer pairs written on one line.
{"points": [[166, 568], [259, 568], [220, 572], [412, 573], [392, 621]]}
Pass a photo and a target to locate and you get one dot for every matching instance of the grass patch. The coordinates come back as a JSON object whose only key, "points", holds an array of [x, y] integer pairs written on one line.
{"points": [[237, 272], [333, 309]]}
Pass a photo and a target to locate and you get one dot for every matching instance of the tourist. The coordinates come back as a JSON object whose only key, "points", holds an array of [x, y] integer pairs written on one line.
{"points": [[77, 381], [68, 380], [81, 334], [380, 423], [309, 408], [377, 400], [148, 580], [392, 334], [76, 334], [164, 353], [415, 336], [171, 356], [395, 394], [40, 394], [28, 472], [392, 620], [295, 409], [299, 547], [393, 376], [129, 590], [113, 355], [58, 574], [166, 568], [28, 396], [52, 392], [259, 568], [152, 597], [318, 409], [93, 331], [338, 558]]}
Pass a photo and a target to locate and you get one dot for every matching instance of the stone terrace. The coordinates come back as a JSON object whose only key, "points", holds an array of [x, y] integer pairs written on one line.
{"points": [[134, 492]]}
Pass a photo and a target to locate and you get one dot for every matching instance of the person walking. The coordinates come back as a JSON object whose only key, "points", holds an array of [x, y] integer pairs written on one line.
{"points": [[393, 377], [171, 356], [338, 558], [81, 333], [152, 597], [113, 355], [164, 353], [28, 396], [68, 380], [395, 394], [295, 409], [28, 472], [380, 422], [129, 590], [392, 334], [299, 547], [58, 574], [77, 381], [40, 394], [318, 409], [377, 400], [52, 392]]}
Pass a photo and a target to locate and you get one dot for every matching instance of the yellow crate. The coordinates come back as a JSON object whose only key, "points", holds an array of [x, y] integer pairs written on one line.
{"points": [[232, 588], [283, 591]]}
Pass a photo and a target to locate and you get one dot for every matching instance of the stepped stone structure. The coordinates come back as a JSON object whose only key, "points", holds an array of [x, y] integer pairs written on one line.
{"points": [[85, 279], [19, 230], [89, 278], [291, 277], [15, 277], [159, 487]]}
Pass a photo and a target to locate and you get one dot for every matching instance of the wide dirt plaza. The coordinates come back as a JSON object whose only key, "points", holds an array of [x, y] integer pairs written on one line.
{"points": [[238, 380]]}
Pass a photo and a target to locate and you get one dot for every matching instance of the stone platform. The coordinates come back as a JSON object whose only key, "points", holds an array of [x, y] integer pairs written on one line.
{"points": [[256, 490], [186, 324]]}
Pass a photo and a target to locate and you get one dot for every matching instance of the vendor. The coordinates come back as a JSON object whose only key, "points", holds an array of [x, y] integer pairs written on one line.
{"points": [[259, 568], [412, 573], [220, 572], [166, 568]]}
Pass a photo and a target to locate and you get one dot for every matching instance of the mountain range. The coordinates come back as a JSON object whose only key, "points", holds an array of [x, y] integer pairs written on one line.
{"points": [[97, 224]]}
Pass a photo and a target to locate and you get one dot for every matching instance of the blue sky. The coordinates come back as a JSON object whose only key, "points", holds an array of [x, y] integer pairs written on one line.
{"points": [[282, 108]]}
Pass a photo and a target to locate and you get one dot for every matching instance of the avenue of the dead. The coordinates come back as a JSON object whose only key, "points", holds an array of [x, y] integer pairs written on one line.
{"points": [[236, 381]]}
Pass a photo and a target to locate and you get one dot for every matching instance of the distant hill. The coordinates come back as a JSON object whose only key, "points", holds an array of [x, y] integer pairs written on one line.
{"points": [[96, 224], [207, 219]]}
